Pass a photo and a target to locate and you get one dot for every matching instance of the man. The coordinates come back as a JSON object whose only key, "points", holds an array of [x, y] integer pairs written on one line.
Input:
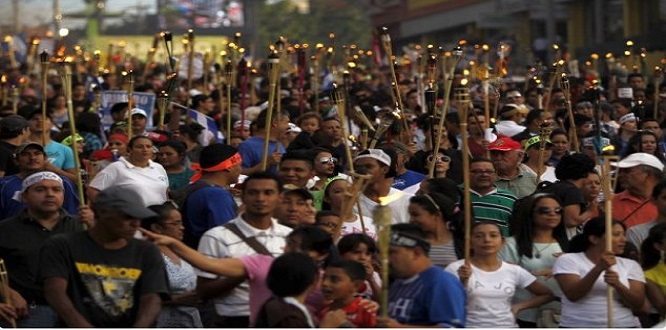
{"points": [[294, 208], [252, 149], [405, 180], [296, 168], [422, 295], [507, 155], [104, 277], [208, 201], [14, 131], [639, 173], [60, 157], [381, 167], [636, 80], [572, 174], [332, 129], [21, 238], [638, 233], [260, 196], [511, 116], [513, 96], [30, 158], [489, 202]]}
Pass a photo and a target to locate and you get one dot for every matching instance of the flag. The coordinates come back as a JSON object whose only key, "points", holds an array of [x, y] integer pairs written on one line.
{"points": [[209, 124]]}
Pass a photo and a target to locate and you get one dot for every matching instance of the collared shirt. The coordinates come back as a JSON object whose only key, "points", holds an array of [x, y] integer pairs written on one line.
{"points": [[495, 206], [151, 182], [524, 184], [21, 240], [220, 242], [632, 210]]}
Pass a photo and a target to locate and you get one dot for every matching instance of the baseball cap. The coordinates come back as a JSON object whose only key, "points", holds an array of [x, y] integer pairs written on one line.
{"points": [[29, 145], [13, 123], [376, 154], [293, 128], [510, 109], [504, 144], [243, 123], [640, 158], [534, 140], [128, 201], [137, 111]]}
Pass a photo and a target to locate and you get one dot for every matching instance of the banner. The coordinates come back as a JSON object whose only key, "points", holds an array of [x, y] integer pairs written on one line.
{"points": [[143, 101]]}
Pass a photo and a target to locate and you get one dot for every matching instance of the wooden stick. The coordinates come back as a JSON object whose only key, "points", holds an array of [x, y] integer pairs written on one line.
{"points": [[463, 98], [4, 287], [229, 73], [130, 100], [273, 75], [448, 83], [66, 77], [566, 88], [607, 186]]}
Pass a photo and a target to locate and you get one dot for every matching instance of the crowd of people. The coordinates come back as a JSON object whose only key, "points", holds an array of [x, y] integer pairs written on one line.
{"points": [[178, 227]]}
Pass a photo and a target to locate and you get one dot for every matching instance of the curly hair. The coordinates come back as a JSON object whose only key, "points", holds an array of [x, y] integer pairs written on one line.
{"points": [[574, 167]]}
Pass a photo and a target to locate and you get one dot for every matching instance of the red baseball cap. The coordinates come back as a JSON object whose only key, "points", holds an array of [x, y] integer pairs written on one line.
{"points": [[505, 144]]}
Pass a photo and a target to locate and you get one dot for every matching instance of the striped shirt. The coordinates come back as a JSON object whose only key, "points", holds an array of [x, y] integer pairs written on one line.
{"points": [[495, 206], [443, 255]]}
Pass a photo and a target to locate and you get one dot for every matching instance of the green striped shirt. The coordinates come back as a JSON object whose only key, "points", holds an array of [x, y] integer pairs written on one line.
{"points": [[495, 206]]}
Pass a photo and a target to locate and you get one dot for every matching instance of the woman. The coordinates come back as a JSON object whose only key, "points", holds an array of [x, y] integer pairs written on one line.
{"points": [[334, 197], [491, 283], [588, 269], [561, 146], [171, 156], [592, 193], [115, 147], [644, 141], [433, 213], [654, 265], [539, 238], [442, 163], [137, 171], [531, 164], [177, 312]]}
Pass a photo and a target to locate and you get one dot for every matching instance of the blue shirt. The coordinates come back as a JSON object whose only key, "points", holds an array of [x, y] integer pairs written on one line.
{"points": [[60, 155], [252, 151], [10, 185], [407, 179], [206, 208], [433, 297]]}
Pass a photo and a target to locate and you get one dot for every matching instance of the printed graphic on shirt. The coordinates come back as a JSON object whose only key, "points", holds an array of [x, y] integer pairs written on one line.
{"points": [[111, 288]]}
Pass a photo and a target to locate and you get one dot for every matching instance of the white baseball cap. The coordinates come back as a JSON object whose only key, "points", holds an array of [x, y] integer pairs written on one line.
{"points": [[376, 154], [137, 111], [640, 158]]}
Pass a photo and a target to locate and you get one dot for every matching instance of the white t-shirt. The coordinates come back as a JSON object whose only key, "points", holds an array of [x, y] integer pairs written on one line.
{"points": [[590, 311], [399, 213], [150, 182], [489, 294], [356, 228]]}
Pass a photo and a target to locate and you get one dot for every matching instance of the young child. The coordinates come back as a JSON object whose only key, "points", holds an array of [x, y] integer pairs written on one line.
{"points": [[361, 248], [291, 278], [341, 281]]}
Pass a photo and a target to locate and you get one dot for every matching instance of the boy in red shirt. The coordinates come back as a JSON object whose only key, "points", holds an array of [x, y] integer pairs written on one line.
{"points": [[341, 281]]}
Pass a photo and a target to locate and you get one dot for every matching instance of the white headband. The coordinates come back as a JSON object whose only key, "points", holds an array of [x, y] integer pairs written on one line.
{"points": [[39, 176]]}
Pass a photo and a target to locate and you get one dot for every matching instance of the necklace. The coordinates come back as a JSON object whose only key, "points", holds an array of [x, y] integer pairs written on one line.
{"points": [[538, 252]]}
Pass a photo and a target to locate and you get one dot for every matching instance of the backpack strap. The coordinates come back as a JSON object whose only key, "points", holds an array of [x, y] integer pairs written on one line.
{"points": [[250, 241]]}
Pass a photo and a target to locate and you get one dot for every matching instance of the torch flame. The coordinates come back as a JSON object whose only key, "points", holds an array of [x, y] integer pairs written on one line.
{"points": [[383, 201]]}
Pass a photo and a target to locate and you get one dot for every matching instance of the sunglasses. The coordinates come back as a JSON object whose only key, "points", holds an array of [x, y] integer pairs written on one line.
{"points": [[444, 158], [328, 160], [547, 210]]}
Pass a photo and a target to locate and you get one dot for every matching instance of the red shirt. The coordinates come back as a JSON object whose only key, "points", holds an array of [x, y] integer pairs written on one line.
{"points": [[624, 204], [356, 315]]}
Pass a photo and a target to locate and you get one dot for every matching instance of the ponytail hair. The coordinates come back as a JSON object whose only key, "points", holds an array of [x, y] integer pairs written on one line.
{"points": [[650, 256]]}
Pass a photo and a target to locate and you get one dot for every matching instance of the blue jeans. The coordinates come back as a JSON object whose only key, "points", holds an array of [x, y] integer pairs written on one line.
{"points": [[39, 316]]}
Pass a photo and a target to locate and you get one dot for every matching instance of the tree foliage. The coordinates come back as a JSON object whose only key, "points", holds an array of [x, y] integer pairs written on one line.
{"points": [[344, 18]]}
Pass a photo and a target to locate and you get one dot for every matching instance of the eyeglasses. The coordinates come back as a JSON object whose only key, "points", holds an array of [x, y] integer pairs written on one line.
{"points": [[328, 160], [482, 172], [547, 210], [444, 158]]}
